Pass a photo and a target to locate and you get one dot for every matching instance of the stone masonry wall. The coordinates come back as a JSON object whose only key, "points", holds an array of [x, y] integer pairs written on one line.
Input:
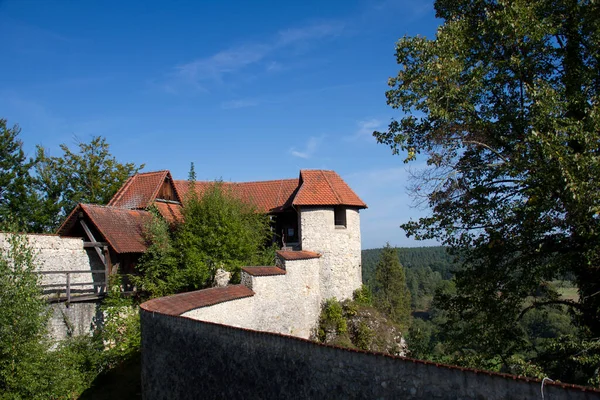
{"points": [[340, 248], [188, 359], [287, 304], [54, 253]]}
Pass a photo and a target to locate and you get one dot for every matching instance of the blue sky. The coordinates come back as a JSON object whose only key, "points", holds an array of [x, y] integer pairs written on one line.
{"points": [[246, 90]]}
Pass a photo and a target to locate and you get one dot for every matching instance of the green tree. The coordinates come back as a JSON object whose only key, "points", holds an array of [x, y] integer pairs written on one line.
{"points": [[220, 231], [15, 181], [89, 175], [23, 318], [160, 273], [504, 105], [391, 293]]}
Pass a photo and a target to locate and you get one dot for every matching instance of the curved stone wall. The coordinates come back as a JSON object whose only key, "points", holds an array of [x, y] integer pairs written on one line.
{"points": [[184, 358]]}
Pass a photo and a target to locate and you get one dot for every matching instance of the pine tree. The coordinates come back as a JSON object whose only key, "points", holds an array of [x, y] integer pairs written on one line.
{"points": [[391, 293]]}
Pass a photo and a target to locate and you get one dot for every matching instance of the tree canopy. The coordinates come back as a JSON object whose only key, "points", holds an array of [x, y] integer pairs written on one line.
{"points": [[504, 106], [15, 181], [89, 175], [39, 192]]}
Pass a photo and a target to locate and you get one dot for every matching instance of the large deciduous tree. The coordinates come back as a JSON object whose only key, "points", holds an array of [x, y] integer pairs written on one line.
{"points": [[15, 181], [90, 175], [504, 105]]}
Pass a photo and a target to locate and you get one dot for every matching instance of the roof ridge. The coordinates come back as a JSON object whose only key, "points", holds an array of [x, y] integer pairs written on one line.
{"points": [[152, 172], [157, 189], [331, 187], [237, 183], [122, 190]]}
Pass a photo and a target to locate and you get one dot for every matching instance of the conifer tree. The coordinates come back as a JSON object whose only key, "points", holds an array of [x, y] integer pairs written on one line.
{"points": [[391, 293]]}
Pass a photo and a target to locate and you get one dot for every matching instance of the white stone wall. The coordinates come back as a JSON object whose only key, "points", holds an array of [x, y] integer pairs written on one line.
{"points": [[288, 304], [238, 313], [54, 253], [76, 319], [340, 271]]}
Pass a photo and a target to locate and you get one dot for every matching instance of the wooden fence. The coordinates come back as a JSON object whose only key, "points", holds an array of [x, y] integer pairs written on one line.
{"points": [[53, 291]]}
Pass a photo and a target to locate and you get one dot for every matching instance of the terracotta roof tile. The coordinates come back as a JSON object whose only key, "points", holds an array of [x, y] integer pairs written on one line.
{"points": [[183, 302], [140, 190], [320, 187], [267, 196], [122, 229], [297, 255], [263, 271], [169, 211]]}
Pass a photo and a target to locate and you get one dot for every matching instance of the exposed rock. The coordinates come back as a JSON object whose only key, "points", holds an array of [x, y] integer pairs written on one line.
{"points": [[349, 324], [222, 277]]}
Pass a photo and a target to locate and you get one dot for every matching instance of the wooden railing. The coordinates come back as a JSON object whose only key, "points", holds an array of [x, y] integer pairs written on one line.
{"points": [[101, 284]]}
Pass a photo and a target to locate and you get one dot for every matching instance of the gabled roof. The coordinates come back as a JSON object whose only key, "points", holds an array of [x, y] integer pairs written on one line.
{"points": [[321, 187], [121, 228], [140, 190], [267, 196], [313, 188]]}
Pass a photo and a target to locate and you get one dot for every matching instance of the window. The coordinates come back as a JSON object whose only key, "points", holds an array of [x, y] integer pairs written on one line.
{"points": [[340, 217]]}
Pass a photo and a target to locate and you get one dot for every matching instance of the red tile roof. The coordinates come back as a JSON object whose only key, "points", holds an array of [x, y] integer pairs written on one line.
{"points": [[170, 212], [263, 271], [320, 187], [297, 255], [122, 229], [183, 302], [314, 187], [140, 190], [267, 196]]}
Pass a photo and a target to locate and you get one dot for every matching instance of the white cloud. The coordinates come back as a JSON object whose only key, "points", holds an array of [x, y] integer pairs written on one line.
{"points": [[312, 145], [365, 129], [221, 65]]}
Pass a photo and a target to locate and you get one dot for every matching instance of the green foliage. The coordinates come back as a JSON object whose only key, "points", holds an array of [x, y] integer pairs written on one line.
{"points": [[363, 337], [23, 317], [16, 192], [89, 175], [435, 258], [331, 319], [357, 325], [220, 231], [159, 271], [363, 296], [120, 332], [391, 294], [503, 103]]}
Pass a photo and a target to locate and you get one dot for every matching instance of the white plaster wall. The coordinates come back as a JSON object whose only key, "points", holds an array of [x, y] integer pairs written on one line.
{"points": [[239, 313], [340, 271], [288, 304], [53, 253]]}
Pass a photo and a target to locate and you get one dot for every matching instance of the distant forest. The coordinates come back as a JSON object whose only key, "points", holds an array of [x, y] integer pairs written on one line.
{"points": [[425, 268]]}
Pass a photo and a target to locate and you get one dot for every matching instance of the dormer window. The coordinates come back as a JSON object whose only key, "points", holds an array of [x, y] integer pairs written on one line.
{"points": [[340, 217]]}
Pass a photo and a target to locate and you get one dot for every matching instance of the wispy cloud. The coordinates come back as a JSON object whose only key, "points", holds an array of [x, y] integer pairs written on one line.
{"points": [[365, 129], [312, 145], [218, 67], [239, 103]]}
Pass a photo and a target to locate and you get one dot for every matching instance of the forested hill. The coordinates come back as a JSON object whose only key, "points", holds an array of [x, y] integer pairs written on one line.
{"points": [[436, 258]]}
